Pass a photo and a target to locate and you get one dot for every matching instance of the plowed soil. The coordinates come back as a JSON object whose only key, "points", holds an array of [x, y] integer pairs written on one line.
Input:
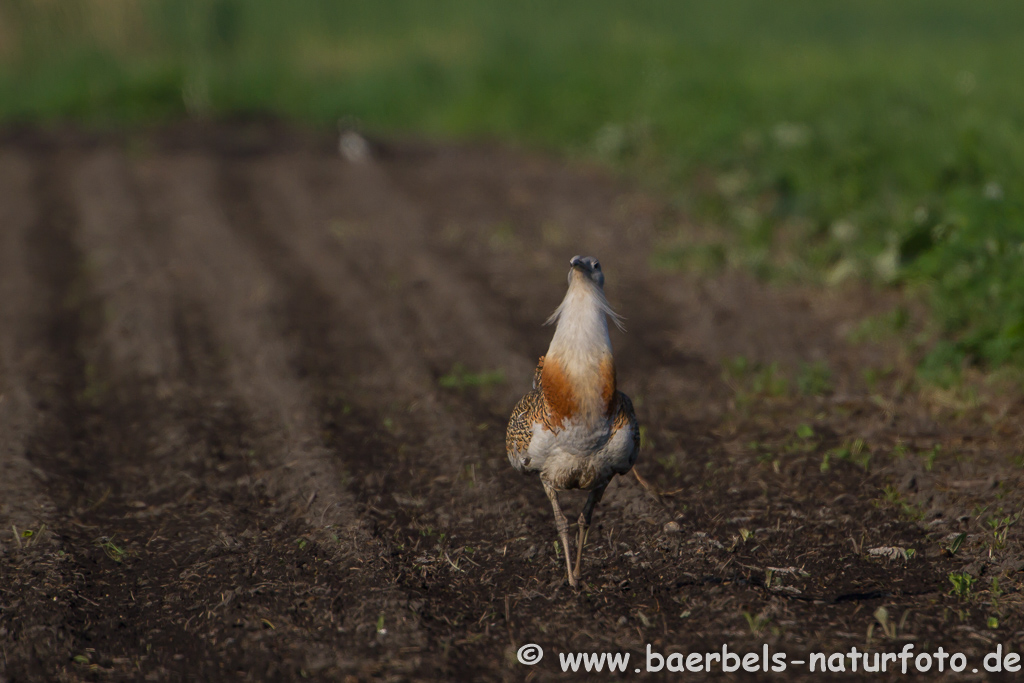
{"points": [[252, 411]]}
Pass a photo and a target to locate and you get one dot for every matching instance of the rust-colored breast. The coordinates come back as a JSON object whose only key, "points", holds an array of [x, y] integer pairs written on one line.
{"points": [[607, 375], [558, 392]]}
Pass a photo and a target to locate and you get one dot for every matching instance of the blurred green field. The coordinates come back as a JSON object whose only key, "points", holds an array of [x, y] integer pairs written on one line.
{"points": [[871, 139]]}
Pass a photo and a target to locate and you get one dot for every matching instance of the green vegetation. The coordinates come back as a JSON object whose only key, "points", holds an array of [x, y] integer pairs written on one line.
{"points": [[1000, 525], [461, 378], [749, 379], [112, 550], [757, 623], [818, 141], [814, 379], [855, 451], [963, 584], [958, 541], [27, 537], [909, 510]]}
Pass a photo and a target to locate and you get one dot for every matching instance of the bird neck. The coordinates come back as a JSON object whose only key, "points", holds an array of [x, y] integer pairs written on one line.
{"points": [[579, 373]]}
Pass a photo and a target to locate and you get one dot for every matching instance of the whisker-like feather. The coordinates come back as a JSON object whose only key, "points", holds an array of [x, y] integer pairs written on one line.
{"points": [[602, 302]]}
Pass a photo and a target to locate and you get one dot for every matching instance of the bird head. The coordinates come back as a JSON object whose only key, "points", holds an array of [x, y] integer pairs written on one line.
{"points": [[586, 284], [586, 267]]}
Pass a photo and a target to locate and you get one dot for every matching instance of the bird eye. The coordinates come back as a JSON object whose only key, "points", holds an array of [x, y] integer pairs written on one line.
{"points": [[597, 265]]}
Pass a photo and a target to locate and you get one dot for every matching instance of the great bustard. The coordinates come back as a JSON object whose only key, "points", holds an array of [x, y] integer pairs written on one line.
{"points": [[574, 427]]}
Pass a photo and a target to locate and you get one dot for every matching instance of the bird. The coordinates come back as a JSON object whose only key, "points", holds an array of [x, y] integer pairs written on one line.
{"points": [[574, 428]]}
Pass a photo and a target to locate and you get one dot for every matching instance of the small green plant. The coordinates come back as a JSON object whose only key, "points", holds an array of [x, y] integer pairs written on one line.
{"points": [[112, 550], [805, 431], [899, 451], [27, 537], [747, 378], [929, 456], [814, 379], [858, 454], [963, 584], [1001, 528], [736, 370], [995, 591], [873, 376], [646, 443], [671, 463], [1018, 459], [957, 542], [891, 494], [756, 623], [853, 451], [770, 381], [460, 378]]}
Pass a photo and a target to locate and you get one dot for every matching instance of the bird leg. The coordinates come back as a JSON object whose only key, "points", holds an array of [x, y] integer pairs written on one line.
{"points": [[588, 511], [562, 524]]}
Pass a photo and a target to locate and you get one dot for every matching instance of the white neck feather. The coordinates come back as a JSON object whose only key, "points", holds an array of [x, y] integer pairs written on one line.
{"points": [[581, 338]]}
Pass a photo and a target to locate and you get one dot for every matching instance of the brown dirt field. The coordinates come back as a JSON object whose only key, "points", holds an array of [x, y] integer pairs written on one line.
{"points": [[242, 435]]}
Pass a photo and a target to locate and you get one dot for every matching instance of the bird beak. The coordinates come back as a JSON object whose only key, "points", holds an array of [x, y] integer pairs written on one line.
{"points": [[577, 262]]}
